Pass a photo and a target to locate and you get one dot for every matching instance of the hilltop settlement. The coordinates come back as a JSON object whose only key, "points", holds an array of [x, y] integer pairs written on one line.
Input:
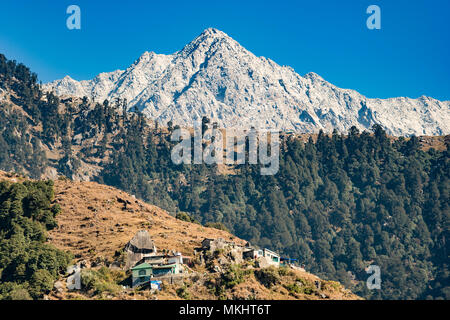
{"points": [[150, 267]]}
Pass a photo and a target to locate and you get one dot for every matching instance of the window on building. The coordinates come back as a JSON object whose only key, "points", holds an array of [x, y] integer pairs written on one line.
{"points": [[142, 272]]}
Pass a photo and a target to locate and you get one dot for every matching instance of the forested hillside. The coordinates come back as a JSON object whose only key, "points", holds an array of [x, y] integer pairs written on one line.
{"points": [[28, 265], [338, 203]]}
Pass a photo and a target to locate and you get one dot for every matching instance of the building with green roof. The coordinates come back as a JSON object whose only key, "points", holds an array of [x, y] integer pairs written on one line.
{"points": [[143, 272]]}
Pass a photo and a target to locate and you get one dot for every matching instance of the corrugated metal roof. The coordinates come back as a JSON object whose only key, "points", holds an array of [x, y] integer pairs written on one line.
{"points": [[165, 266], [142, 266]]}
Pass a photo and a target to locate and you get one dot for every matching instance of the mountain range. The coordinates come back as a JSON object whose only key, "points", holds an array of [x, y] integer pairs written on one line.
{"points": [[215, 76]]}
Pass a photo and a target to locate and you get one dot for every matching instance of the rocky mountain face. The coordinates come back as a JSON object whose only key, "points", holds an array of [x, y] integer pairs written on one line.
{"points": [[215, 76]]}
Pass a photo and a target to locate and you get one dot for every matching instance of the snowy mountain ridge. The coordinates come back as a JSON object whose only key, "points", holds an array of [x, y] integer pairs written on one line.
{"points": [[215, 76]]}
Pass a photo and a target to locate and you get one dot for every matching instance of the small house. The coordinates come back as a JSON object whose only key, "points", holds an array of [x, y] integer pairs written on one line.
{"points": [[74, 279], [188, 260], [177, 259], [144, 272], [271, 257], [141, 274], [252, 254], [216, 244], [266, 256], [156, 266], [156, 260], [164, 270]]}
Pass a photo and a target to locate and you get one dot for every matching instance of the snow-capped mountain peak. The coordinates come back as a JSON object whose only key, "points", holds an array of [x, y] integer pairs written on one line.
{"points": [[215, 76]]}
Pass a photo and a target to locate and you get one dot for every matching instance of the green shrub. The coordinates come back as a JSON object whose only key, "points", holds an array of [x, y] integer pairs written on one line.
{"points": [[268, 277], [218, 252], [233, 276], [217, 225], [102, 280], [183, 293], [332, 285], [19, 294], [302, 281], [14, 291], [41, 282], [184, 216], [293, 288], [29, 266], [308, 290], [284, 271], [296, 288]]}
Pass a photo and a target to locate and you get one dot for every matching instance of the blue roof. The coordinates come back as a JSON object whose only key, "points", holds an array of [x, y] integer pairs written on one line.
{"points": [[290, 259]]}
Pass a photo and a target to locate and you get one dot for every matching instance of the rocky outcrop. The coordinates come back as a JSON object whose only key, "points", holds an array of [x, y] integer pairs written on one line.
{"points": [[140, 246]]}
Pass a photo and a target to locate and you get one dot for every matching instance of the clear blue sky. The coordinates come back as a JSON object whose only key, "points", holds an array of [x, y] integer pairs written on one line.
{"points": [[409, 56]]}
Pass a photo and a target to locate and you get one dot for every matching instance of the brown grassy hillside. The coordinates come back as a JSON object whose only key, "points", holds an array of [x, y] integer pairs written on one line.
{"points": [[98, 220]]}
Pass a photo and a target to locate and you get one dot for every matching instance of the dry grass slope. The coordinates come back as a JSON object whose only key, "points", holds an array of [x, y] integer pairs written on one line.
{"points": [[98, 220]]}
